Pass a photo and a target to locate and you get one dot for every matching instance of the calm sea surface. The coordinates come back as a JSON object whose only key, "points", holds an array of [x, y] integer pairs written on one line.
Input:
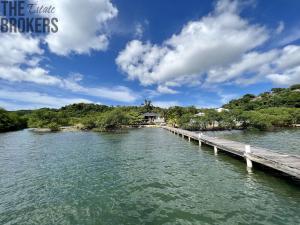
{"points": [[143, 176]]}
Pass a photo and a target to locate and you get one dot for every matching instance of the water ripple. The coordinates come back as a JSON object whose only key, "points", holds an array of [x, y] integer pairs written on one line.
{"points": [[145, 176]]}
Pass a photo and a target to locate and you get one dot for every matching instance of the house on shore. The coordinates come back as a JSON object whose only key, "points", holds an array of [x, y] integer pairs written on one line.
{"points": [[200, 114], [221, 110], [151, 118]]}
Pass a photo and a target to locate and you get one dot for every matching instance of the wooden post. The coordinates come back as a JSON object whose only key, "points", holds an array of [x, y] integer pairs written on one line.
{"points": [[215, 150], [247, 152], [200, 137]]}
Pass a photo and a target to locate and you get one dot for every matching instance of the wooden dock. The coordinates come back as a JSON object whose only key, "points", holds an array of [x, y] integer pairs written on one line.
{"points": [[285, 163]]}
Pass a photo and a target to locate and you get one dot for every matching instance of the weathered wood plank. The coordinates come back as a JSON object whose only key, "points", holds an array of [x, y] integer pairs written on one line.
{"points": [[285, 163]]}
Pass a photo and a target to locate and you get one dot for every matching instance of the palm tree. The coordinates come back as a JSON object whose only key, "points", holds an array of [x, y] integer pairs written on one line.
{"points": [[147, 105]]}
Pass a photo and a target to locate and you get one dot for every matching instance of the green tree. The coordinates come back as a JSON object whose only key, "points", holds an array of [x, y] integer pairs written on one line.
{"points": [[10, 121], [111, 120], [134, 118], [295, 87], [148, 107]]}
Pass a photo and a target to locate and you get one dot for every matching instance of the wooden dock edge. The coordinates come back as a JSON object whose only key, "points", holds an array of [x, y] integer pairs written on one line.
{"points": [[291, 169]]}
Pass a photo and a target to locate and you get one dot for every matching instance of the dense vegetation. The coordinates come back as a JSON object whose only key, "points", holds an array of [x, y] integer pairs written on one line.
{"points": [[10, 121], [278, 108], [85, 116], [277, 97]]}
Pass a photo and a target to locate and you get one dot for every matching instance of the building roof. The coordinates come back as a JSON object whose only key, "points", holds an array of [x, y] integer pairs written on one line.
{"points": [[221, 109], [150, 114], [200, 114]]}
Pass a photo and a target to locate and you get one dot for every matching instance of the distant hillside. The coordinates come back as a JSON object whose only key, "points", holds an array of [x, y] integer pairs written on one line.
{"points": [[82, 109], [277, 97]]}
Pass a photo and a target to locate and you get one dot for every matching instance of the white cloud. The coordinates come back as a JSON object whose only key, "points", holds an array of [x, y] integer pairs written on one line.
{"points": [[288, 77], [40, 76], [253, 62], [165, 104], [216, 40], [290, 37], [20, 55], [289, 57], [280, 27], [138, 30], [217, 49], [17, 48], [81, 26], [281, 66], [165, 90], [37, 75], [30, 100], [81, 29], [116, 93]]}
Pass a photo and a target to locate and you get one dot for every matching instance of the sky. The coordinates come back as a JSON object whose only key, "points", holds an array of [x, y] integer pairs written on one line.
{"points": [[173, 52]]}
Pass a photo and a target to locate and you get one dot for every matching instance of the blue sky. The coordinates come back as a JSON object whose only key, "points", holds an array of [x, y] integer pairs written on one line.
{"points": [[177, 52]]}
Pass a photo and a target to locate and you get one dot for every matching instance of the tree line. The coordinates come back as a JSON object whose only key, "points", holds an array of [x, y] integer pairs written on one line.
{"points": [[11, 121], [280, 107]]}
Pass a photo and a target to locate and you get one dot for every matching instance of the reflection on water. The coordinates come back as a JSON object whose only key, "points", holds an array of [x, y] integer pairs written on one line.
{"points": [[144, 176]]}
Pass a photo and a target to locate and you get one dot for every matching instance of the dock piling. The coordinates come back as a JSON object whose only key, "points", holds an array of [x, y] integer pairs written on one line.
{"points": [[215, 150], [247, 152], [200, 137]]}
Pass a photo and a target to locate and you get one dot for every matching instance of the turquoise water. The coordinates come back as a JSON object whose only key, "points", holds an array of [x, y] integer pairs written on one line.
{"points": [[143, 176]]}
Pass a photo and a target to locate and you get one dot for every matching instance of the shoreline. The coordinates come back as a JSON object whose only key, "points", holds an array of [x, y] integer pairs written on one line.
{"points": [[75, 129], [124, 127]]}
